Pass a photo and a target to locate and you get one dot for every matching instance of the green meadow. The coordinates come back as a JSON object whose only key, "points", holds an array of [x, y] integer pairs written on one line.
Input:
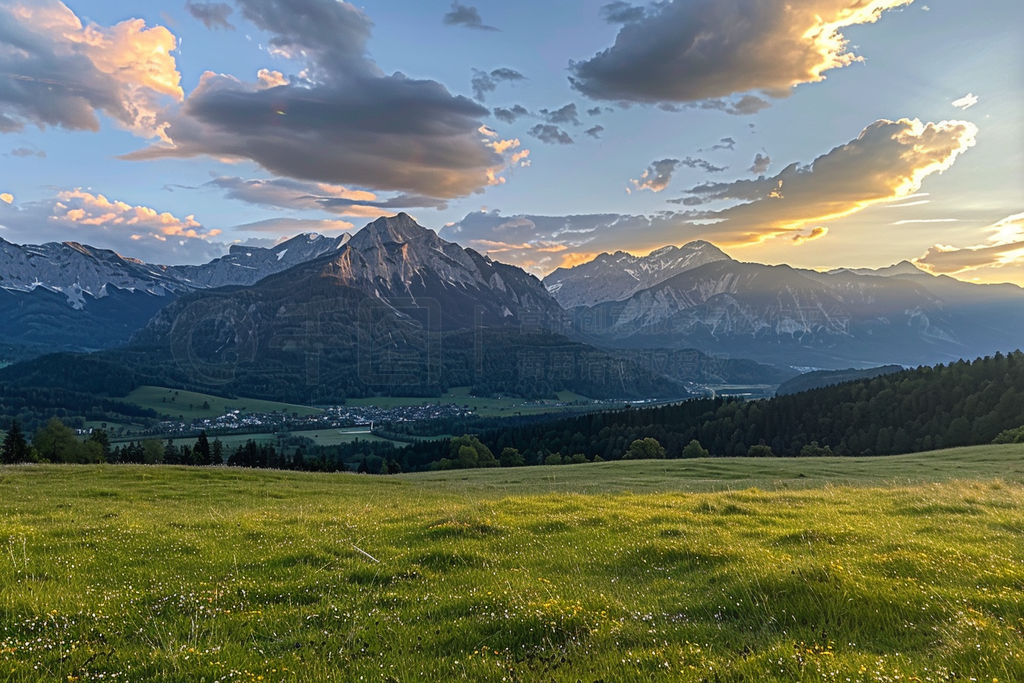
{"points": [[490, 407], [322, 437], [189, 404], [712, 571]]}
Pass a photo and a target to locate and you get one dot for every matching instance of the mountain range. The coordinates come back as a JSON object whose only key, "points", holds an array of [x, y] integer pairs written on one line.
{"points": [[395, 308], [788, 316], [68, 296]]}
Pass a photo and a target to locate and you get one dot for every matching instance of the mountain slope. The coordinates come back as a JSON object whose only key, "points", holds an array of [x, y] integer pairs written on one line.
{"points": [[804, 318], [616, 277], [75, 297], [396, 311]]}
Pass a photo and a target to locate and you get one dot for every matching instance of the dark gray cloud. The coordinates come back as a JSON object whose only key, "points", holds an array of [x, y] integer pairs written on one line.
{"points": [[214, 15], [622, 13], [762, 162], [484, 82], [747, 105], [469, 17], [595, 111], [595, 132], [510, 115], [687, 201], [549, 134], [341, 120], [59, 71], [657, 176], [679, 51], [566, 114], [702, 165], [23, 152], [724, 143]]}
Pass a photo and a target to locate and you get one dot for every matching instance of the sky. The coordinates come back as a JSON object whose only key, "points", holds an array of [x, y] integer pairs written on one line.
{"points": [[819, 133]]}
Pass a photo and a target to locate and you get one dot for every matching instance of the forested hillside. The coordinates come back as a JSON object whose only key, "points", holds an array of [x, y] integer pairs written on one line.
{"points": [[959, 404]]}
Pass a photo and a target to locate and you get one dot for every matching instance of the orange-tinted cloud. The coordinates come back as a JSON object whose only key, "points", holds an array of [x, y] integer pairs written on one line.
{"points": [[889, 160], [694, 50], [1002, 258], [816, 233], [97, 220], [7, 198], [72, 70], [579, 258], [78, 207]]}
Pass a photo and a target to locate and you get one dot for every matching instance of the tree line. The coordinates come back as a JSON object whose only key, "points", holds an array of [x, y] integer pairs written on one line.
{"points": [[959, 404]]}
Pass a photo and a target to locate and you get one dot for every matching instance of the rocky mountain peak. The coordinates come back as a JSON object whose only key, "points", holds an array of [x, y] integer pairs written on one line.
{"points": [[400, 229]]}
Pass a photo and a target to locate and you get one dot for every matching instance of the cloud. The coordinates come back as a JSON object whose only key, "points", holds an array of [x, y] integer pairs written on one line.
{"points": [[816, 233], [747, 105], [22, 152], [296, 195], [542, 243], [59, 72], [510, 115], [289, 227], [917, 221], [340, 120], [567, 114], [483, 82], [724, 143], [702, 165], [889, 160], [552, 135], [214, 15], [595, 132], [469, 17], [94, 219], [1003, 253], [762, 162], [966, 102], [7, 198], [622, 13], [657, 176], [680, 51], [595, 111]]}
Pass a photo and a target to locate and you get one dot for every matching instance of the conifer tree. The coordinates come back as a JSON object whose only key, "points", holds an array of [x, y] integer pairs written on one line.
{"points": [[201, 452], [15, 448]]}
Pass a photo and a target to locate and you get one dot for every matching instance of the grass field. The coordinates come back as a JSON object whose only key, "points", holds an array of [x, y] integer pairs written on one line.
{"points": [[900, 569], [323, 437], [189, 404], [489, 407]]}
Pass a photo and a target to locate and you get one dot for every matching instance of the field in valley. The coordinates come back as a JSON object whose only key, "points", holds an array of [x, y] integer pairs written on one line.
{"points": [[189, 404], [884, 569]]}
